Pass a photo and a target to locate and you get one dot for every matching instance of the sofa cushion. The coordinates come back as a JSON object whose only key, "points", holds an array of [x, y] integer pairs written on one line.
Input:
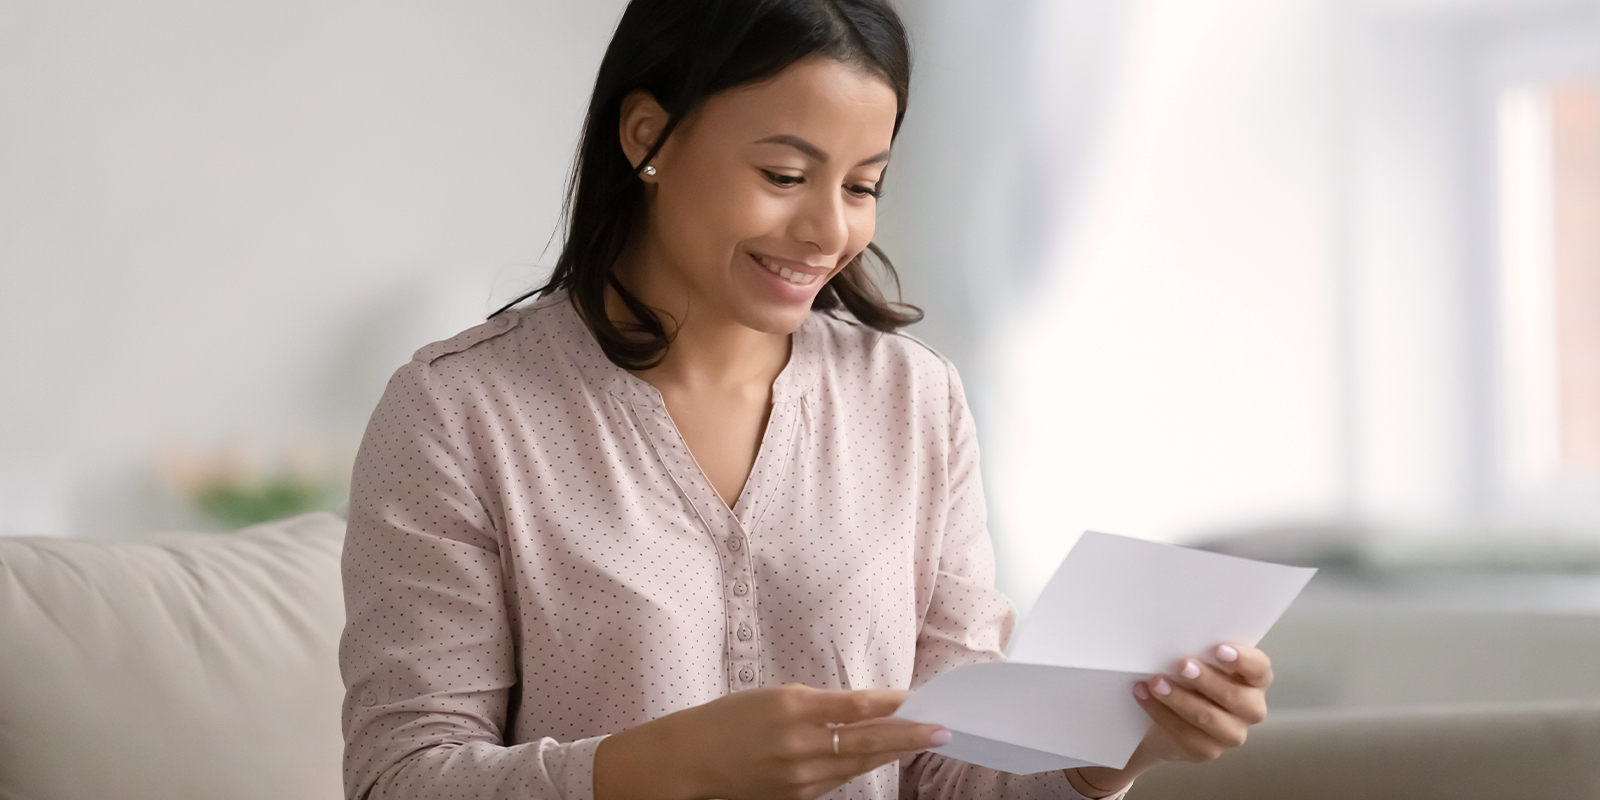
{"points": [[1530, 752], [175, 666]]}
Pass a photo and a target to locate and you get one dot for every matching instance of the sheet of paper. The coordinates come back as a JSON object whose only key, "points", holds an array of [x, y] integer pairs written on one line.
{"points": [[1117, 610], [1133, 605], [1082, 715], [1005, 757]]}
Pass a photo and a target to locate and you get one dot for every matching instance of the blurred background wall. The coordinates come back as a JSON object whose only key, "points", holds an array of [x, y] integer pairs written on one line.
{"points": [[1316, 280], [1315, 274], [222, 226]]}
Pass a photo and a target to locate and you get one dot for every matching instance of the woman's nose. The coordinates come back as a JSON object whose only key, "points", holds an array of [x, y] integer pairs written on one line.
{"points": [[820, 221]]}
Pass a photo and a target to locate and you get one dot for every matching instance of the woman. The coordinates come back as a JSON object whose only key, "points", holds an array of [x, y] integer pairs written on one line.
{"points": [[690, 523]]}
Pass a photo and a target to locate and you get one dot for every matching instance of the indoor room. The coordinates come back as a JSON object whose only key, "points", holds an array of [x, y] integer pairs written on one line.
{"points": [[1307, 282]]}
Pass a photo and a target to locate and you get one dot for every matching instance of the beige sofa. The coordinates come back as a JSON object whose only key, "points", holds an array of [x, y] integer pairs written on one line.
{"points": [[176, 667], [204, 666], [1527, 752]]}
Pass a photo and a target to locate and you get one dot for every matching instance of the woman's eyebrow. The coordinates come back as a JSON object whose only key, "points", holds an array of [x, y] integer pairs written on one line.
{"points": [[814, 152]]}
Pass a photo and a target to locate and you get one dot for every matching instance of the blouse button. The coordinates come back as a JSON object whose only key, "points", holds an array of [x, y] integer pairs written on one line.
{"points": [[741, 588], [368, 700], [747, 674], [734, 543], [744, 633]]}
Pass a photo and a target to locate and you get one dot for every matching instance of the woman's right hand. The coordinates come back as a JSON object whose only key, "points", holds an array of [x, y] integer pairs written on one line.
{"points": [[761, 743]]}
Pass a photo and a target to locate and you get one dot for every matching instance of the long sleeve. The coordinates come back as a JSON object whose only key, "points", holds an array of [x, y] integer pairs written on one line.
{"points": [[428, 653], [967, 621]]}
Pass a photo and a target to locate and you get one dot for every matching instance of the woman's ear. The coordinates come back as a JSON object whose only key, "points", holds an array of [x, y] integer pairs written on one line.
{"points": [[643, 119]]}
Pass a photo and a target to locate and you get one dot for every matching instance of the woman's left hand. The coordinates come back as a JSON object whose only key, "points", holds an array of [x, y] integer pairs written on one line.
{"points": [[1201, 710]]}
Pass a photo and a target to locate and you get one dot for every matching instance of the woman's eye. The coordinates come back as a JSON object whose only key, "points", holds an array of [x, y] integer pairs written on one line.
{"points": [[782, 179]]}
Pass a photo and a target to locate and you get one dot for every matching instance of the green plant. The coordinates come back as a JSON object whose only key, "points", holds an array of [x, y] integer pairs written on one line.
{"points": [[237, 505]]}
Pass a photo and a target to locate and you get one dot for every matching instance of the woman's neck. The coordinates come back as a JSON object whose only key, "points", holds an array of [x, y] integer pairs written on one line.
{"points": [[709, 351]]}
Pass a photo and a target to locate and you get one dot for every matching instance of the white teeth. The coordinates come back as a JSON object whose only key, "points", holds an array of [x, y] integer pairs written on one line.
{"points": [[798, 278]]}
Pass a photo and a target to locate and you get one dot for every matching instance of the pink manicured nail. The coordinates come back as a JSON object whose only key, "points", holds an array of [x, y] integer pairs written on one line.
{"points": [[1140, 692], [1191, 670], [939, 739], [1162, 687], [1227, 653]]}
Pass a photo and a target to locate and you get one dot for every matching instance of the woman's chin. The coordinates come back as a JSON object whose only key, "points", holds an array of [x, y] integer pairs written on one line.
{"points": [[776, 320]]}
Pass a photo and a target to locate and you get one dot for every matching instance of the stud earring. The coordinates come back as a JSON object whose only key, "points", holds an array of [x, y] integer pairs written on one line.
{"points": [[651, 171]]}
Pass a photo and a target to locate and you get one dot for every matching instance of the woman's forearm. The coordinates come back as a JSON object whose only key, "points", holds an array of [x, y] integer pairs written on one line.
{"points": [[642, 764]]}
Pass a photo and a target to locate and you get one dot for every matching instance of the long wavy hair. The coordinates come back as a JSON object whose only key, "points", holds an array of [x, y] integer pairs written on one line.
{"points": [[682, 52]]}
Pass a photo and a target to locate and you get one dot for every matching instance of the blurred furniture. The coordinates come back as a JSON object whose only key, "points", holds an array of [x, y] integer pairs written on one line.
{"points": [[1530, 752], [1438, 638], [173, 667], [189, 666], [1433, 617]]}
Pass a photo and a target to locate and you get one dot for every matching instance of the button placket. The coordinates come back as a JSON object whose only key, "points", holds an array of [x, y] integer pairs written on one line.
{"points": [[743, 647], [731, 542], [783, 428]]}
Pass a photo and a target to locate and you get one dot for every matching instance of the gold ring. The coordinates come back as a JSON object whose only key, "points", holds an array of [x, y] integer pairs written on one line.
{"points": [[836, 741]]}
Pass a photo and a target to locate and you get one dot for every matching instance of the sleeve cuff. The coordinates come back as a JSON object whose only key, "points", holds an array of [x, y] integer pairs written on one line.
{"points": [[1073, 793], [574, 773]]}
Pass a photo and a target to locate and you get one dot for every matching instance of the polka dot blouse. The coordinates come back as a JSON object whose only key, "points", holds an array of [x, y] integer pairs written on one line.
{"points": [[534, 560]]}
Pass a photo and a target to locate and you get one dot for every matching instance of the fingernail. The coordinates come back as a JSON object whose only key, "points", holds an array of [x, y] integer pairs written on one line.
{"points": [[940, 738], [1140, 692], [1161, 687], [1227, 653], [1191, 670]]}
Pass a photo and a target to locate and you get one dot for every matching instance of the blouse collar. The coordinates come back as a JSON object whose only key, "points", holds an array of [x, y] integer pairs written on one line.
{"points": [[574, 338]]}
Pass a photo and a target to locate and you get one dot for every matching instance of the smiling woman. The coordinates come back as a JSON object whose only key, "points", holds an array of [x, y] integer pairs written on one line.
{"points": [[748, 222], [703, 65], [692, 522]]}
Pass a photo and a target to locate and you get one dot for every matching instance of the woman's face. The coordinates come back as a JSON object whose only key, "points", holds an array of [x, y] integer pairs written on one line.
{"points": [[762, 194]]}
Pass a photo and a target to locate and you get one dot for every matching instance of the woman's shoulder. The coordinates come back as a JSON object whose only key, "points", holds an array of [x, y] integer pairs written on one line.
{"points": [[510, 343], [475, 336], [858, 352], [509, 332]]}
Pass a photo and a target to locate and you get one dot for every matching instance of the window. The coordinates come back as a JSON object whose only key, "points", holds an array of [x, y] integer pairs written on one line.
{"points": [[1550, 283]]}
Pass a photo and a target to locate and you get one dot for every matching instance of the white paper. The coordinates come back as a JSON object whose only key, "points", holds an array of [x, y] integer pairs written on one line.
{"points": [[1079, 715], [1116, 611]]}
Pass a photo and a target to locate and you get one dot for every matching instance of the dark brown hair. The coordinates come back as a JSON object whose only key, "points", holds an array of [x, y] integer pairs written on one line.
{"points": [[682, 52]]}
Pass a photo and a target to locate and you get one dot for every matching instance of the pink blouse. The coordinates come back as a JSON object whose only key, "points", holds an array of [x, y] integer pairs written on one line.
{"points": [[534, 560]]}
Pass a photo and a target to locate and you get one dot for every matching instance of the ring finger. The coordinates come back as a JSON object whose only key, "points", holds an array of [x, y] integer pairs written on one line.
{"points": [[868, 745], [880, 736]]}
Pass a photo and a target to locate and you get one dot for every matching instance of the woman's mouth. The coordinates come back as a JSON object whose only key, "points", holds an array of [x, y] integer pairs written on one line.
{"points": [[792, 276]]}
